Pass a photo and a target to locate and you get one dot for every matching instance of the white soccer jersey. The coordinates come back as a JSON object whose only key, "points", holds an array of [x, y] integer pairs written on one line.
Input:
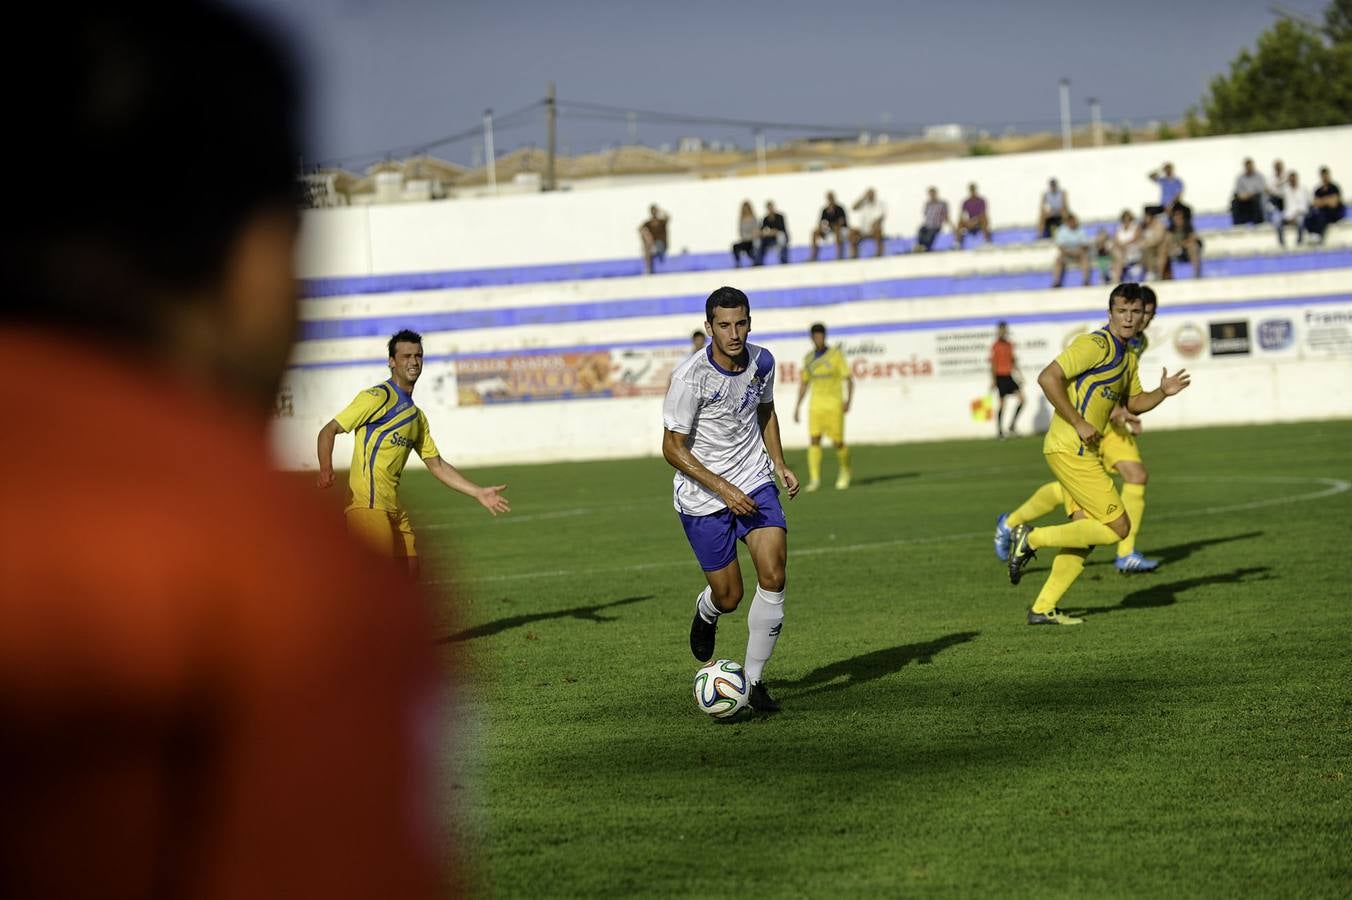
{"points": [[717, 410]]}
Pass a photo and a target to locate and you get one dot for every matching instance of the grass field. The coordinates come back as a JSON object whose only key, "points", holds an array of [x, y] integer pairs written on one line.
{"points": [[1192, 738]]}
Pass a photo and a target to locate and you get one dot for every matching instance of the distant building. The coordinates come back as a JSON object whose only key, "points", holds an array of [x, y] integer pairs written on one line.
{"points": [[951, 132]]}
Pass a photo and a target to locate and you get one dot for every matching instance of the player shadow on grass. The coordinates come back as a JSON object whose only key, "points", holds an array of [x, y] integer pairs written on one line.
{"points": [[585, 613], [872, 666], [1176, 552], [1167, 594], [866, 480]]}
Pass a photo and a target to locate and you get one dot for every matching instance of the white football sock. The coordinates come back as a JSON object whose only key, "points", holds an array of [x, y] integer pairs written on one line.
{"points": [[705, 604], [763, 623]]}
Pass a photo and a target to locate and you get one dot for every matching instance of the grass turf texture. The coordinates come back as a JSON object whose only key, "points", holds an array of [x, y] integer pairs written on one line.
{"points": [[1193, 737]]}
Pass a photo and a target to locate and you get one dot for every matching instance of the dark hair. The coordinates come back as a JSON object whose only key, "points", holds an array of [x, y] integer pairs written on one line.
{"points": [[1148, 296], [193, 93], [1127, 290], [726, 298], [404, 336], [696, 333], [817, 328], [1002, 324]]}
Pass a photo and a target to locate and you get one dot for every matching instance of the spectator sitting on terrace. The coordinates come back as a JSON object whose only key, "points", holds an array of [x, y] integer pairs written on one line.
{"points": [[1103, 256], [935, 217], [972, 217], [1295, 207], [748, 237], [774, 233], [1274, 197], [1171, 189], [653, 233], [1184, 245], [1073, 247], [1246, 205], [869, 223], [1126, 246], [1328, 205], [1154, 244], [1054, 206], [832, 222]]}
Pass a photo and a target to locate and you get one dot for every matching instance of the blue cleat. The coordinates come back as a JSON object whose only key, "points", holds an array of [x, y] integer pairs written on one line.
{"points": [[1002, 537], [1135, 562]]}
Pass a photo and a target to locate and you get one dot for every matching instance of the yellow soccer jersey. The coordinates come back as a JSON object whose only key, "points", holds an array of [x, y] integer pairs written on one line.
{"points": [[1100, 372], [385, 426], [1137, 346], [826, 373]]}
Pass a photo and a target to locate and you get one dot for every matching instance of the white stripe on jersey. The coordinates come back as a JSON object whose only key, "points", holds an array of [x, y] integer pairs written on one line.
{"points": [[717, 411]]}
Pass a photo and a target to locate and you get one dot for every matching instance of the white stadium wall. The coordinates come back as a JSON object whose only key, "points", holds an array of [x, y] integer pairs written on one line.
{"points": [[505, 383]]}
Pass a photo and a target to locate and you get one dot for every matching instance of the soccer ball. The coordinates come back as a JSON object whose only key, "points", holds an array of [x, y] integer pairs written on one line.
{"points": [[721, 688]]}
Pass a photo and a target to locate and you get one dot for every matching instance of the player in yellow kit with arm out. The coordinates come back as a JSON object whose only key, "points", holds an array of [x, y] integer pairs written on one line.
{"points": [[387, 427], [1120, 453], [824, 369], [1090, 377]]}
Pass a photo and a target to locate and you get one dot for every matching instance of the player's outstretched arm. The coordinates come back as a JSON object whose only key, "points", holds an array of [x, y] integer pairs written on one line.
{"points": [[798, 407], [1052, 380], [327, 434], [769, 426], [675, 452], [1169, 385], [490, 498]]}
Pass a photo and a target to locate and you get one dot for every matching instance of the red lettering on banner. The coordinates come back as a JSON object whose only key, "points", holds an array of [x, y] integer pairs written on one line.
{"points": [[788, 373], [912, 368]]}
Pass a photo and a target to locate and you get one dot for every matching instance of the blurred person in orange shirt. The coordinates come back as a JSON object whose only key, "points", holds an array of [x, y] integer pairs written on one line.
{"points": [[205, 691], [1003, 369]]}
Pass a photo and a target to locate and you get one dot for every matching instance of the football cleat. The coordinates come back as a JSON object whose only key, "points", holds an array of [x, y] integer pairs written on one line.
{"points": [[1019, 551], [1135, 562], [1055, 617], [760, 699], [702, 635], [843, 480], [1002, 537], [812, 486]]}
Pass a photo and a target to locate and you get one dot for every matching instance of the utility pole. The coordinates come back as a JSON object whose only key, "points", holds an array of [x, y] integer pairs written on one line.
{"points": [[1095, 121], [488, 151], [760, 150], [1065, 113], [633, 128], [551, 121]]}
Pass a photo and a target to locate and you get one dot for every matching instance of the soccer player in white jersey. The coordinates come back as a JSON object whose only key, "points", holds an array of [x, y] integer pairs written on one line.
{"points": [[721, 434]]}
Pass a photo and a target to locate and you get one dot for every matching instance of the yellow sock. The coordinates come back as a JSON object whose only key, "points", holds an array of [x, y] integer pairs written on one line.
{"points": [[1133, 498], [1080, 534], [1067, 566], [843, 458], [814, 463], [1044, 500]]}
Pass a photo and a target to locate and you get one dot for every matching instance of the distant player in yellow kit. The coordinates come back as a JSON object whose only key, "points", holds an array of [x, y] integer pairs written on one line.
{"points": [[387, 428], [824, 369], [1119, 453], [1090, 377]]}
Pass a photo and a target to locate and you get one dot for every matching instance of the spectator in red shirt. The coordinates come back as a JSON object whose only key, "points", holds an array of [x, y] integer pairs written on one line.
{"points": [[973, 217]]}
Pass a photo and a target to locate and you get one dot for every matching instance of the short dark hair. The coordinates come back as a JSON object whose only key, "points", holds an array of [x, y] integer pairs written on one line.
{"points": [[727, 298], [1002, 324], [817, 328], [404, 336], [1148, 296], [696, 333], [1127, 290]]}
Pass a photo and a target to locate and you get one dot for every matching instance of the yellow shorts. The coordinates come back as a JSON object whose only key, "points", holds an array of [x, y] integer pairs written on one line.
{"points": [[1086, 485], [385, 531], [1118, 445], [829, 422]]}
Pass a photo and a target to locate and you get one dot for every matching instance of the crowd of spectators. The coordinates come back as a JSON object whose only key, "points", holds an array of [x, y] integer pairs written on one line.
{"points": [[1147, 246]]}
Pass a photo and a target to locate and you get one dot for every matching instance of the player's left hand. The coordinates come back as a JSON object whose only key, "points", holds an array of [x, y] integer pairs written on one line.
{"points": [[844, 406], [492, 500], [790, 481], [1172, 384]]}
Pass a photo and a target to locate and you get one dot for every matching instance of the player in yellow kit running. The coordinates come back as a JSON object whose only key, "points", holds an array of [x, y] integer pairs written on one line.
{"points": [[824, 369], [387, 428], [1119, 453], [1090, 377]]}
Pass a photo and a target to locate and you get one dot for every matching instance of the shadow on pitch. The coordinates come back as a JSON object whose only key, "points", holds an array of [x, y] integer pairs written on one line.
{"points": [[872, 666], [866, 480], [585, 613], [1176, 552], [1167, 594]]}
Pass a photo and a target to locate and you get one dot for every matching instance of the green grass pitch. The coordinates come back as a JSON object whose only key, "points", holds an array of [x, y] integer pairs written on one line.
{"points": [[1192, 738]]}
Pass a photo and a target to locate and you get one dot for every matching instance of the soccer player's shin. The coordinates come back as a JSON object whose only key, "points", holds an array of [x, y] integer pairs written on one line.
{"points": [[843, 458], [1045, 499], [1133, 498], [705, 604], [814, 463], [1080, 534], [763, 623], [1066, 567]]}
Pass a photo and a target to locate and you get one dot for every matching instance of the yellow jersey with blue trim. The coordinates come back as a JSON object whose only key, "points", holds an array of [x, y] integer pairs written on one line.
{"points": [[826, 373], [385, 427], [1100, 372]]}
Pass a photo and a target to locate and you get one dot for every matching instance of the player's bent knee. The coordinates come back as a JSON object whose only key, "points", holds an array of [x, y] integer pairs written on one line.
{"points": [[1121, 526]]}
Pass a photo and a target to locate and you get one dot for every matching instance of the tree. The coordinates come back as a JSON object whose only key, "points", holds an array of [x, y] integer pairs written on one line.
{"points": [[1338, 21], [1293, 79]]}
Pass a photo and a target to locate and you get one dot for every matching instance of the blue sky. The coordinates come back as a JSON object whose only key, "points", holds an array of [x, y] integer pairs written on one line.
{"points": [[391, 75]]}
